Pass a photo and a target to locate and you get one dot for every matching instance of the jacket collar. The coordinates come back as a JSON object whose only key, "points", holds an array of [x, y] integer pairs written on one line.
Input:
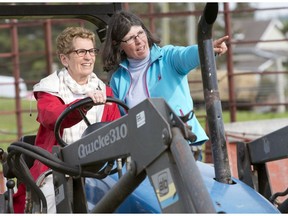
{"points": [[155, 54]]}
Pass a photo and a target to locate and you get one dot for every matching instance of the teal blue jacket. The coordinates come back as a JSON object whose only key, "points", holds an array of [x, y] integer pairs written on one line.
{"points": [[166, 78]]}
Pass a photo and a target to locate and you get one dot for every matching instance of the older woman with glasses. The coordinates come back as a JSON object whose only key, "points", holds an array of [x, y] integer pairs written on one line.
{"points": [[54, 93], [142, 69]]}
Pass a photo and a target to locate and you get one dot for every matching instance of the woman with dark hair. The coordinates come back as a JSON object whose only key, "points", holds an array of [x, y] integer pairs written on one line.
{"points": [[142, 69]]}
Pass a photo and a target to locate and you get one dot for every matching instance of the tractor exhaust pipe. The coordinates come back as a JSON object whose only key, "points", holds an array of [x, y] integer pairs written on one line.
{"points": [[211, 93]]}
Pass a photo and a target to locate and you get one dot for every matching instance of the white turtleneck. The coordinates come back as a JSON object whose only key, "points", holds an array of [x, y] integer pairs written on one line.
{"points": [[137, 91]]}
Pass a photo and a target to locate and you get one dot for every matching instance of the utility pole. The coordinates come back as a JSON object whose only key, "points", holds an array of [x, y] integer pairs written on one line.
{"points": [[191, 23], [165, 24]]}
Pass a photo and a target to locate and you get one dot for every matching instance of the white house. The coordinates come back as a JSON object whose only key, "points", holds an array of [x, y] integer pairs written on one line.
{"points": [[7, 87]]}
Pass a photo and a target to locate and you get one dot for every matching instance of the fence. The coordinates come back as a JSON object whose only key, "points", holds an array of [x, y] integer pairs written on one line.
{"points": [[252, 75]]}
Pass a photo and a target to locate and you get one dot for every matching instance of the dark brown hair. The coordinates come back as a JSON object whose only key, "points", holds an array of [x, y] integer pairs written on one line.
{"points": [[119, 25]]}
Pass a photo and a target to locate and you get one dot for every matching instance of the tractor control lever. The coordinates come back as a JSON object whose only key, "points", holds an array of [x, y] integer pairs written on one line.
{"points": [[10, 185], [3, 156], [191, 136], [185, 118]]}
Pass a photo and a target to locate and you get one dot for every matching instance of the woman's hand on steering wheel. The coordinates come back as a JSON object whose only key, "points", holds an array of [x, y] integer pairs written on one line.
{"points": [[97, 96]]}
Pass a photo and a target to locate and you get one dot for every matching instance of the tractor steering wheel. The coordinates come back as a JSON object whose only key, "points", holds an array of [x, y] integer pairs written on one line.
{"points": [[79, 104]]}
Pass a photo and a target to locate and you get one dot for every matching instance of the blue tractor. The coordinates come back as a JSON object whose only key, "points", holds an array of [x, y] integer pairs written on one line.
{"points": [[147, 165]]}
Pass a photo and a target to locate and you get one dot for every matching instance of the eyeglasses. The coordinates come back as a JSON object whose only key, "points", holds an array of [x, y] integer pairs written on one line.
{"points": [[140, 34], [83, 52]]}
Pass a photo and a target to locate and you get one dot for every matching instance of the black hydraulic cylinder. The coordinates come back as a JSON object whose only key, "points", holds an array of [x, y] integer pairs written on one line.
{"points": [[190, 175], [211, 93]]}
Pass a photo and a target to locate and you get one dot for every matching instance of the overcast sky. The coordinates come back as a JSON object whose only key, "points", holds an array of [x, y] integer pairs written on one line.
{"points": [[268, 14]]}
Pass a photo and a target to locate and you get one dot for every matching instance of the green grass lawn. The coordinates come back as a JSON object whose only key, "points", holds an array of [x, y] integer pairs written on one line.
{"points": [[246, 115], [8, 121]]}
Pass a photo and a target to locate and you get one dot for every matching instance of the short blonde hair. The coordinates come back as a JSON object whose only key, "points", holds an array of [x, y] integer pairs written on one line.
{"points": [[64, 41]]}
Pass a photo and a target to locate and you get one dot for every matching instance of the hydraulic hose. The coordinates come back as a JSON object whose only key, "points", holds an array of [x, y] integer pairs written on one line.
{"points": [[23, 174], [51, 160]]}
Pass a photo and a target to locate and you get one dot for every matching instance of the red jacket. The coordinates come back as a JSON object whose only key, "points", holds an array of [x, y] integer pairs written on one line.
{"points": [[49, 109]]}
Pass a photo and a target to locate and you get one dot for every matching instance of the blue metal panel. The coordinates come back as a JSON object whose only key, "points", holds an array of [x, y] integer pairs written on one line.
{"points": [[142, 200], [234, 198], [228, 198]]}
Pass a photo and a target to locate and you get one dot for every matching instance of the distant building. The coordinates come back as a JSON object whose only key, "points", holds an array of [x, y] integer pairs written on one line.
{"points": [[261, 53], [265, 49], [256, 51], [7, 87]]}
